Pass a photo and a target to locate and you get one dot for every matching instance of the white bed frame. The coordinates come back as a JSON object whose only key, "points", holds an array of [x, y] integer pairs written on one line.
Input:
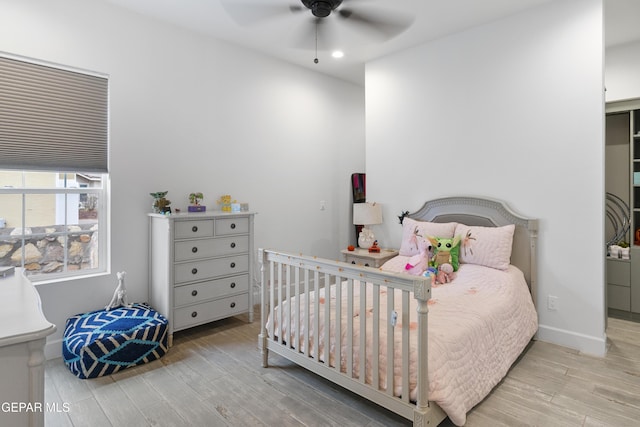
{"points": [[285, 276]]}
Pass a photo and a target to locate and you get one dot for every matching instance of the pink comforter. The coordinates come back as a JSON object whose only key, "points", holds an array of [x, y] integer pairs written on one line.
{"points": [[478, 326]]}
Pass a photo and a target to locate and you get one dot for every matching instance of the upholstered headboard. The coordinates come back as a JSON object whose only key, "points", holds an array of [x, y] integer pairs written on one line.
{"points": [[489, 213]]}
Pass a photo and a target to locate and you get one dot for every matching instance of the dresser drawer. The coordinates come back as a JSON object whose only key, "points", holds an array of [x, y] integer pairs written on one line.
{"points": [[192, 294], [206, 269], [209, 311], [619, 297], [191, 229], [619, 272], [206, 248], [226, 226]]}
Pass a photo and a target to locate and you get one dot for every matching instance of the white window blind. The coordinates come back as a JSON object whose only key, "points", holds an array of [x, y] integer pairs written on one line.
{"points": [[52, 118]]}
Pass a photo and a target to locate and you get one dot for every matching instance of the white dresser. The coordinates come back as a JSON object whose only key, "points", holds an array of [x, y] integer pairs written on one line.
{"points": [[23, 332], [201, 267]]}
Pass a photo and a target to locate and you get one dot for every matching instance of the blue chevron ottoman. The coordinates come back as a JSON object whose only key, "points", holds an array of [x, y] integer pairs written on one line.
{"points": [[104, 342]]}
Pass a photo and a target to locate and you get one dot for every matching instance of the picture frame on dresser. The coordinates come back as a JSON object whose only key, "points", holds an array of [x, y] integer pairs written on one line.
{"points": [[201, 267]]}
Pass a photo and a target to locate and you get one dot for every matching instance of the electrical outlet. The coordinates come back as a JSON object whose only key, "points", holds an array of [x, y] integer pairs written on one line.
{"points": [[323, 205], [552, 302]]}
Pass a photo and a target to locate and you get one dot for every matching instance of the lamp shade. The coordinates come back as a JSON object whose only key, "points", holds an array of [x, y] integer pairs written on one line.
{"points": [[367, 213]]}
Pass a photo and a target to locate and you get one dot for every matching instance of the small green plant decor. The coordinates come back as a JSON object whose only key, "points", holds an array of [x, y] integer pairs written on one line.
{"points": [[195, 206]]}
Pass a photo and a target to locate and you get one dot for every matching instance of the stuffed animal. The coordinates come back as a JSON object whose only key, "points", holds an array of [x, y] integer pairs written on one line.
{"points": [[431, 272], [444, 274], [417, 264], [445, 257], [445, 251]]}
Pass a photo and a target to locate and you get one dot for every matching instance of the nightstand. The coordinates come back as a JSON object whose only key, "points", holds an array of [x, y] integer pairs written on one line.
{"points": [[366, 258]]}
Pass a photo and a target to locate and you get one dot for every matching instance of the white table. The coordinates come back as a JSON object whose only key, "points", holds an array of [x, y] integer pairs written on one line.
{"points": [[363, 257], [23, 332]]}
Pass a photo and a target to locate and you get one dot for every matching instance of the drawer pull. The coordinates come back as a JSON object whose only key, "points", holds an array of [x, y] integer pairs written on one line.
{"points": [[194, 271], [233, 265], [366, 264], [194, 314], [233, 226], [233, 285], [194, 293], [232, 305], [194, 249], [194, 228], [233, 245], [353, 262]]}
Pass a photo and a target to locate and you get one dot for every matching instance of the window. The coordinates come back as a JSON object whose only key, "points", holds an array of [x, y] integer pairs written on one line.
{"points": [[53, 169], [47, 228]]}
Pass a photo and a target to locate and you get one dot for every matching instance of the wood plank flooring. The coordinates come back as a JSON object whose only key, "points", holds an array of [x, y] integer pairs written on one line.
{"points": [[212, 376]]}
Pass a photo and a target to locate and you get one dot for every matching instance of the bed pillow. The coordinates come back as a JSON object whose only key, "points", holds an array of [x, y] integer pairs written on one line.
{"points": [[412, 229], [488, 246]]}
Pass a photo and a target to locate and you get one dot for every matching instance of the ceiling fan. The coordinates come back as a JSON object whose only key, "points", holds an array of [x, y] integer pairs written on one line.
{"points": [[319, 9], [377, 25]]}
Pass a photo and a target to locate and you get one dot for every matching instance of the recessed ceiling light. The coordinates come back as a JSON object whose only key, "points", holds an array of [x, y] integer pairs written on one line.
{"points": [[337, 54]]}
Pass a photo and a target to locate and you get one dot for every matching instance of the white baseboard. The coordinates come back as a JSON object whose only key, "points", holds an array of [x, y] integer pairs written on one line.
{"points": [[53, 349], [596, 346]]}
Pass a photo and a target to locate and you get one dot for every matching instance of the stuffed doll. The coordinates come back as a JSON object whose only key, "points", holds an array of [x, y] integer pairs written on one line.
{"points": [[445, 257], [431, 272], [417, 264], [444, 274]]}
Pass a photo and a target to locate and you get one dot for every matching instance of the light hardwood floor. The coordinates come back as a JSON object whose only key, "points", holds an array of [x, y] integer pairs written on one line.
{"points": [[212, 376]]}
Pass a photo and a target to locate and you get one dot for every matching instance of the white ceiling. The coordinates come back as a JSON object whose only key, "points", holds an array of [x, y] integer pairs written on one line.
{"points": [[268, 26]]}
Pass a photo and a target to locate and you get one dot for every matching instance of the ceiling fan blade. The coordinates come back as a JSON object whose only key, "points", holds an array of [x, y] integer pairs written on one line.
{"points": [[382, 24], [250, 13]]}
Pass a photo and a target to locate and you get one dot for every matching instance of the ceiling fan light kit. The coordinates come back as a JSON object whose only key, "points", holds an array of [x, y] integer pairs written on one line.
{"points": [[321, 8]]}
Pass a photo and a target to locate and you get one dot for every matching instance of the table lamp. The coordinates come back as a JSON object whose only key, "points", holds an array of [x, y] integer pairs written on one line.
{"points": [[366, 214]]}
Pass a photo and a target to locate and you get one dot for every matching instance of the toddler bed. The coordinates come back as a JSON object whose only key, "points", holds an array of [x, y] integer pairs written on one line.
{"points": [[423, 350]]}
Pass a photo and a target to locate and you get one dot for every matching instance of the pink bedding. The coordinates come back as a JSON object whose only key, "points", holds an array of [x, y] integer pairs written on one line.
{"points": [[478, 326]]}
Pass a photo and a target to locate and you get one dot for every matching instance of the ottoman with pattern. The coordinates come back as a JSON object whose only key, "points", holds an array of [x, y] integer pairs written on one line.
{"points": [[104, 342]]}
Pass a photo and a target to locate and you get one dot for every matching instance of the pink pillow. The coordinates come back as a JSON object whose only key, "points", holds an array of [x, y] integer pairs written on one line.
{"points": [[413, 230], [488, 246]]}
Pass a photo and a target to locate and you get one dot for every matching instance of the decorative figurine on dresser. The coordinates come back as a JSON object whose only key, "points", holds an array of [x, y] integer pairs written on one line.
{"points": [[201, 266]]}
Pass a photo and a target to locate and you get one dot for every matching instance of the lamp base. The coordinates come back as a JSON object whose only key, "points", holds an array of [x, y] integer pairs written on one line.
{"points": [[366, 238]]}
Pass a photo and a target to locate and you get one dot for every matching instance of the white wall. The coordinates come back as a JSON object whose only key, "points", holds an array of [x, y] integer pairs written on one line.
{"points": [[512, 110], [622, 72], [188, 114]]}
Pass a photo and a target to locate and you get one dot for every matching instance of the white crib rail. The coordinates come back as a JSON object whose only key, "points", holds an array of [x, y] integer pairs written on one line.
{"points": [[288, 277]]}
